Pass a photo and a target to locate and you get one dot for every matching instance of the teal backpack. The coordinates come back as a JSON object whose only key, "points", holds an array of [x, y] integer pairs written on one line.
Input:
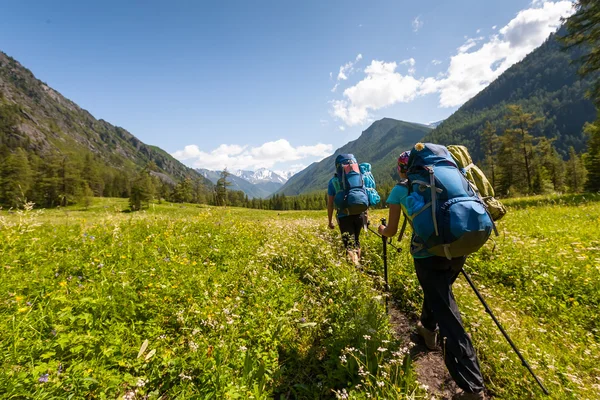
{"points": [[370, 186]]}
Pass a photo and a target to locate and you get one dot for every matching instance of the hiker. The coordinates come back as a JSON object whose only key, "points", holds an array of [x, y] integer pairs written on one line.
{"points": [[436, 274], [347, 194]]}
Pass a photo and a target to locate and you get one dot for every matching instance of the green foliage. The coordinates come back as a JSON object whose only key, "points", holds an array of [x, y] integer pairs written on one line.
{"points": [[15, 179], [592, 158], [221, 188], [576, 174], [584, 33], [143, 190]]}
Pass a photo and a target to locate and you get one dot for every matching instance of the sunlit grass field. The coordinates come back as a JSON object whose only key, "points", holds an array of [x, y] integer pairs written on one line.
{"points": [[186, 301]]}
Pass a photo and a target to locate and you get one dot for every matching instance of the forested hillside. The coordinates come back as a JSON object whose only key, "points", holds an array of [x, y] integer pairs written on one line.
{"points": [[53, 151], [379, 145], [545, 83]]}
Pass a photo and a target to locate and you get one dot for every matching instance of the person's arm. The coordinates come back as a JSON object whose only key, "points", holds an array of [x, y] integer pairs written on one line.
{"points": [[393, 220], [330, 211]]}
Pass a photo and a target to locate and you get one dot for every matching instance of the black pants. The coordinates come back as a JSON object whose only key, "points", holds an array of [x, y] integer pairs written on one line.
{"points": [[436, 276], [350, 227]]}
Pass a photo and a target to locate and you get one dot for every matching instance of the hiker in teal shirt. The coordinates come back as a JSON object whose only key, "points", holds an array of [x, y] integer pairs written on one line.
{"points": [[436, 276]]}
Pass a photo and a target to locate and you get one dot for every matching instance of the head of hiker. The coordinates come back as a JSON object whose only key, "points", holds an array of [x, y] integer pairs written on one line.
{"points": [[403, 163]]}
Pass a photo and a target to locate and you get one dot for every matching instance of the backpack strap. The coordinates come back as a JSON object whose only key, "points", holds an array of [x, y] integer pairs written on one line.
{"points": [[433, 199], [336, 183]]}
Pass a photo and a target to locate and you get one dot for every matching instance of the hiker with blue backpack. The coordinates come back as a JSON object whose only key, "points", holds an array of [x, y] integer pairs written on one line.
{"points": [[350, 192], [449, 221]]}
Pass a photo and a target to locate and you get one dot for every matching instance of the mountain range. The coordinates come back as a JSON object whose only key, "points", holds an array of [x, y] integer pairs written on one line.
{"points": [[47, 125], [258, 184]]}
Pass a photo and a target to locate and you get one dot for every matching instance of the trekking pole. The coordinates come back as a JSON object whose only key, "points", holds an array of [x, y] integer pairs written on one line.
{"points": [[489, 311], [385, 265], [398, 249]]}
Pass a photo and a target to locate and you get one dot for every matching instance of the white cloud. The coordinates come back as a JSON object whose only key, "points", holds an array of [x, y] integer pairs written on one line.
{"points": [[470, 72], [342, 128], [348, 68], [478, 30], [494, 27], [469, 44], [381, 87], [417, 24], [245, 157], [411, 65], [475, 65], [436, 62]]}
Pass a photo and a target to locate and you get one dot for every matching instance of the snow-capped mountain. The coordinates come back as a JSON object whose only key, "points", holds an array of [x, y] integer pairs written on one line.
{"points": [[256, 184], [261, 175]]}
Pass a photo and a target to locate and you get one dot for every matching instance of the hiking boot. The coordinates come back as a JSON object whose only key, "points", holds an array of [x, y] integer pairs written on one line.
{"points": [[462, 395], [430, 337]]}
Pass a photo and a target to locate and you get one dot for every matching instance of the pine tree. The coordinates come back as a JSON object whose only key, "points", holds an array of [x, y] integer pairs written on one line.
{"points": [[521, 123], [489, 145], [15, 179], [221, 188], [575, 171], [584, 32], [592, 158], [142, 190]]}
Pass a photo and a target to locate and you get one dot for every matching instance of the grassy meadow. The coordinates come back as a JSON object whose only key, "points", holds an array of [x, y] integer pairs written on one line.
{"points": [[186, 301]]}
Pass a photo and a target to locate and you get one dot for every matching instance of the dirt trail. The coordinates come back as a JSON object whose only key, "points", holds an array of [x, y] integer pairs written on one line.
{"points": [[429, 365]]}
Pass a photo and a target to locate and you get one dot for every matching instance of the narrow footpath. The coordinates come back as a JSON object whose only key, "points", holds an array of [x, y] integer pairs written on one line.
{"points": [[429, 365]]}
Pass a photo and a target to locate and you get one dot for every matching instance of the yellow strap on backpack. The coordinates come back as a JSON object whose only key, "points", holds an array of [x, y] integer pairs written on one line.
{"points": [[478, 179]]}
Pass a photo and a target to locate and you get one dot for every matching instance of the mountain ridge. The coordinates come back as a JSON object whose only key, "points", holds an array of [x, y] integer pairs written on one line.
{"points": [[545, 82], [49, 123], [379, 145]]}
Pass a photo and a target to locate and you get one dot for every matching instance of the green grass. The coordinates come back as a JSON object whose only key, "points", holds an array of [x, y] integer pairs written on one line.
{"points": [[237, 303], [231, 303], [541, 279]]}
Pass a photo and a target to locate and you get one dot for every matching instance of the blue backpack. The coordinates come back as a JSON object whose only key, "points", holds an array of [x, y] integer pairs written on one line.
{"points": [[350, 197], [370, 187], [453, 221]]}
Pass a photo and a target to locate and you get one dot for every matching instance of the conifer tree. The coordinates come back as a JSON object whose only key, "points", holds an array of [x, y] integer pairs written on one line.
{"points": [[584, 32], [15, 179], [489, 145], [521, 123], [221, 188], [592, 158], [575, 171]]}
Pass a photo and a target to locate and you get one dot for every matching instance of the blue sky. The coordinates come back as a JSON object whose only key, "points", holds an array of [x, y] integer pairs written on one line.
{"points": [[243, 84]]}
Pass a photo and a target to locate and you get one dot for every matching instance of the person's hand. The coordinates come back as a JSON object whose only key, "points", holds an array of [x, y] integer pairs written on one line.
{"points": [[331, 225], [381, 229]]}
